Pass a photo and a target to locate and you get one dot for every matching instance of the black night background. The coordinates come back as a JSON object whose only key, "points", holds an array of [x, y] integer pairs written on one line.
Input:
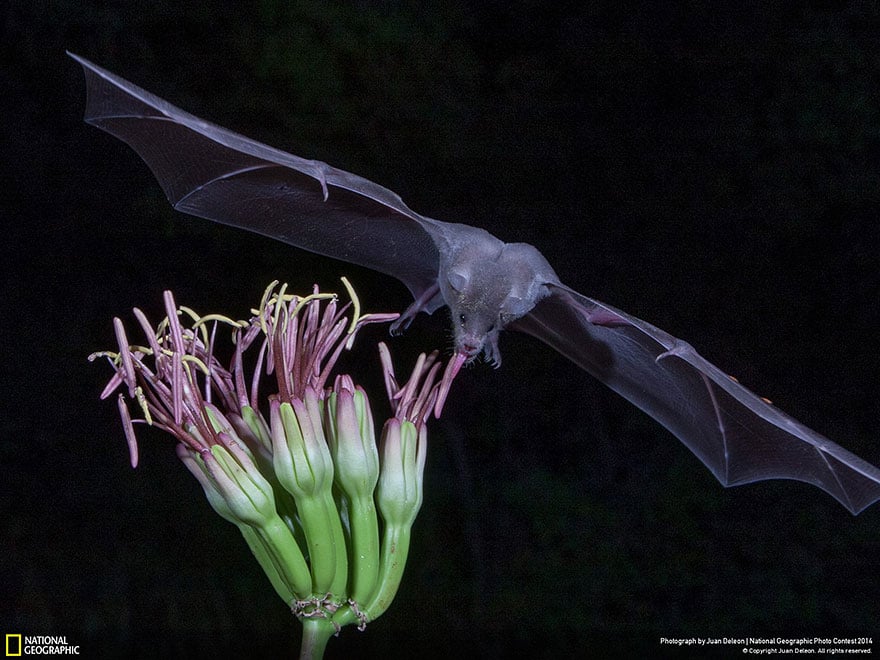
{"points": [[709, 167]]}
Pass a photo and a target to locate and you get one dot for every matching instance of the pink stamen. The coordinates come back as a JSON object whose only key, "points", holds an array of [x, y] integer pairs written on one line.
{"points": [[255, 381], [115, 381], [391, 386], [452, 368], [177, 389], [173, 322], [149, 333], [421, 409], [128, 429], [128, 372]]}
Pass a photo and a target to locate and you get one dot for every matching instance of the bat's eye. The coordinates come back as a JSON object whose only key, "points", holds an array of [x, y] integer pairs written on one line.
{"points": [[461, 319]]}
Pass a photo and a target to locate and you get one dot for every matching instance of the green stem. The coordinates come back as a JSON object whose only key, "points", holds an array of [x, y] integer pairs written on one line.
{"points": [[316, 633], [285, 555], [264, 559], [318, 524], [364, 548], [345, 616], [395, 548], [339, 585]]}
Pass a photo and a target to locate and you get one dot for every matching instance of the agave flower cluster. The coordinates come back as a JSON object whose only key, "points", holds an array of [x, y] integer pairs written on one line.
{"points": [[298, 470]]}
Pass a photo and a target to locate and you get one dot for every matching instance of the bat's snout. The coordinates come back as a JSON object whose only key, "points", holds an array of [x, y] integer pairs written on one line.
{"points": [[470, 349]]}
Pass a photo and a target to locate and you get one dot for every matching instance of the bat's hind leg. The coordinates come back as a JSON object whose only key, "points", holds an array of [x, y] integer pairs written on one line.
{"points": [[421, 304]]}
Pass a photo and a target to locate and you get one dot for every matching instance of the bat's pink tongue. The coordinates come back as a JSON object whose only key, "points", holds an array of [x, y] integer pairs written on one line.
{"points": [[449, 374]]}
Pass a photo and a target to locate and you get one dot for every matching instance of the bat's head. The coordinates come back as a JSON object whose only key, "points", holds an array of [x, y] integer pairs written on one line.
{"points": [[476, 322], [486, 290]]}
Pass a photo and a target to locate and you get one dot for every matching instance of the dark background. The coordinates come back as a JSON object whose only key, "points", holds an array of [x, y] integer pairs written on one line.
{"points": [[711, 170]]}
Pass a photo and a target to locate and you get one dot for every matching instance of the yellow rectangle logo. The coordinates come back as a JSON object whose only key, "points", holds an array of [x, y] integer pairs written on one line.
{"points": [[13, 645]]}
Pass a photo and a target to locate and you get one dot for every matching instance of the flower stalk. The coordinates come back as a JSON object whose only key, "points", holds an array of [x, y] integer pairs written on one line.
{"points": [[327, 513]]}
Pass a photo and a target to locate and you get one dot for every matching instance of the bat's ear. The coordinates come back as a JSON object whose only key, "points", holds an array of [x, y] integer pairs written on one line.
{"points": [[457, 279]]}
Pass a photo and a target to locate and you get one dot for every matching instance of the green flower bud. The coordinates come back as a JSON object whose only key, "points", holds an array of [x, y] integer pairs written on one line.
{"points": [[244, 490], [240, 494], [300, 454], [399, 492], [352, 441]]}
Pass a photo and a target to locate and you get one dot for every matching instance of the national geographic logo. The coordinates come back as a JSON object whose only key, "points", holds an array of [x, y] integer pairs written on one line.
{"points": [[17, 645]]}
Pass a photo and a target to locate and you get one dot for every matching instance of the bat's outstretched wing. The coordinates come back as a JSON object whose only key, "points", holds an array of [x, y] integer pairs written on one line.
{"points": [[213, 173], [739, 436]]}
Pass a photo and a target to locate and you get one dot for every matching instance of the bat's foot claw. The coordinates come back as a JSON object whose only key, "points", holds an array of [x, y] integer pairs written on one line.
{"points": [[400, 325]]}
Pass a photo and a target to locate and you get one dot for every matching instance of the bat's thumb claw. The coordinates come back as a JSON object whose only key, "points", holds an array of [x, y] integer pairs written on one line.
{"points": [[321, 176]]}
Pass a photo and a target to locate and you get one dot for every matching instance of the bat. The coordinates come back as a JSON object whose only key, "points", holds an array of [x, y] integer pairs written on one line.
{"points": [[488, 286]]}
